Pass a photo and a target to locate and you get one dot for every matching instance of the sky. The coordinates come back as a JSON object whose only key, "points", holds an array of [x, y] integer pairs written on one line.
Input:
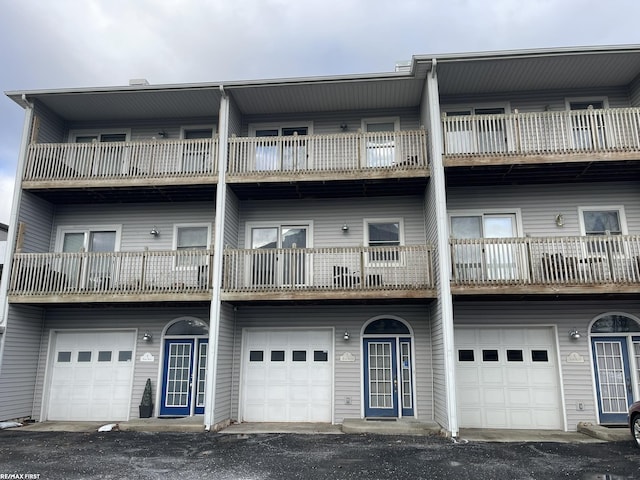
{"points": [[94, 43]]}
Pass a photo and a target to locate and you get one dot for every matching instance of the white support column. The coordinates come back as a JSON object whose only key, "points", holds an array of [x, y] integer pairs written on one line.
{"points": [[218, 252], [444, 253], [13, 222]]}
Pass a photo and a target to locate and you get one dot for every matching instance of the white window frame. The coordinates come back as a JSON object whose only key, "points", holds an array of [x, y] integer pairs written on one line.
{"points": [[253, 127], [73, 134], [186, 128], [87, 229], [569, 100], [471, 107], [249, 226], [400, 221], [483, 212], [178, 226], [599, 208], [367, 120]]}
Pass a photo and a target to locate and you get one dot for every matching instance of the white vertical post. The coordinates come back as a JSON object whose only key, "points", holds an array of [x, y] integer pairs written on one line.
{"points": [[218, 252]]}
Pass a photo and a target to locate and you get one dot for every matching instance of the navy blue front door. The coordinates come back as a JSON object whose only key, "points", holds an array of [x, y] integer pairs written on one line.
{"points": [[387, 377], [613, 378], [183, 379]]}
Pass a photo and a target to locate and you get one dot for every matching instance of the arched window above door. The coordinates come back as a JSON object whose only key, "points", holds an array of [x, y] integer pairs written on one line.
{"points": [[615, 323], [386, 326], [190, 326]]}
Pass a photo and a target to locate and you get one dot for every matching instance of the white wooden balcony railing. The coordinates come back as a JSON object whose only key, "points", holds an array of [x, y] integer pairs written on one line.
{"points": [[549, 261], [543, 133], [327, 269], [347, 152], [97, 161], [95, 273]]}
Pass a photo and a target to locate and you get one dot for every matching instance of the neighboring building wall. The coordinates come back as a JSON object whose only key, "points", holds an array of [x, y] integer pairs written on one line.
{"points": [[20, 361], [348, 378], [145, 319], [577, 378]]}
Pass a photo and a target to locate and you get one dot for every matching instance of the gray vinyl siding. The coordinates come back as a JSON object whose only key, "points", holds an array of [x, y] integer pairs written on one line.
{"points": [[634, 92], [148, 129], [231, 220], [577, 378], [225, 348], [347, 375], [37, 215], [327, 123], [137, 220], [438, 323], [49, 127], [328, 216], [142, 319], [539, 101], [235, 118], [540, 204], [20, 361]]}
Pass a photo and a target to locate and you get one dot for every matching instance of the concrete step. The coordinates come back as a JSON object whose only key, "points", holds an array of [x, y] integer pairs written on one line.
{"points": [[395, 426]]}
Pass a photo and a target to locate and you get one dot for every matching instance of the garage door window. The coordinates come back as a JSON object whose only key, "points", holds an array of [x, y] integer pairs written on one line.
{"points": [[539, 356], [489, 355], [277, 355], [124, 356], [465, 356], [514, 356], [320, 356], [104, 356], [299, 356], [256, 356], [64, 357], [84, 356]]}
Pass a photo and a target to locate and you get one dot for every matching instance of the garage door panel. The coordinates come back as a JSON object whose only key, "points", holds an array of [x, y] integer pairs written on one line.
{"points": [[87, 383], [297, 387], [508, 376]]}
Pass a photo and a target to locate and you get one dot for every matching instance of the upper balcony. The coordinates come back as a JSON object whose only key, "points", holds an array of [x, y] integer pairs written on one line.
{"points": [[339, 273], [121, 164], [101, 277], [347, 156], [520, 140], [546, 265]]}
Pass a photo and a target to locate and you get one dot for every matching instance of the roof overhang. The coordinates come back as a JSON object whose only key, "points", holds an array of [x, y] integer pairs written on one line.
{"points": [[536, 70]]}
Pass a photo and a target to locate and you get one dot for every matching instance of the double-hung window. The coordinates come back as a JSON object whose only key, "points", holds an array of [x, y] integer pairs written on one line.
{"points": [[603, 221], [190, 237], [385, 235]]}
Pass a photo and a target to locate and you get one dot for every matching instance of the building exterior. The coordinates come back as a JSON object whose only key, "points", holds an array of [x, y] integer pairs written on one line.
{"points": [[4, 229], [453, 242]]}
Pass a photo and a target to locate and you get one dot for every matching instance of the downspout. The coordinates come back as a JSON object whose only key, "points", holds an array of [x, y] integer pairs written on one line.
{"points": [[218, 251], [13, 220], [444, 253]]}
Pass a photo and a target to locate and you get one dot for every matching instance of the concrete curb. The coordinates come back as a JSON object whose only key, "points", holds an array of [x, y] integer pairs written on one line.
{"points": [[604, 433]]}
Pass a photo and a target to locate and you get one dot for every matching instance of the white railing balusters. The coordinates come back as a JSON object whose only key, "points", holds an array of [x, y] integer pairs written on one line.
{"points": [[348, 152], [535, 133], [88, 273], [546, 261], [121, 160]]}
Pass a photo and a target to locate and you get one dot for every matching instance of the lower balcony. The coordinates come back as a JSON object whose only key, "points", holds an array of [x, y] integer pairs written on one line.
{"points": [[111, 276], [341, 273], [551, 265]]}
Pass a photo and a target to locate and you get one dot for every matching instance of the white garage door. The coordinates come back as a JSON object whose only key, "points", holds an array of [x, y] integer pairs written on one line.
{"points": [[91, 376], [287, 376], [507, 378]]}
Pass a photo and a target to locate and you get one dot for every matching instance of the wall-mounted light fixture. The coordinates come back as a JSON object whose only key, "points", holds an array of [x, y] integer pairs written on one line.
{"points": [[147, 337], [574, 334], [154, 231], [345, 227], [344, 127], [346, 335], [163, 134], [560, 220]]}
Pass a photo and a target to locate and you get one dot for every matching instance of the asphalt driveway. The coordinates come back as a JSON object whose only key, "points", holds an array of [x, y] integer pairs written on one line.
{"points": [[124, 455]]}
